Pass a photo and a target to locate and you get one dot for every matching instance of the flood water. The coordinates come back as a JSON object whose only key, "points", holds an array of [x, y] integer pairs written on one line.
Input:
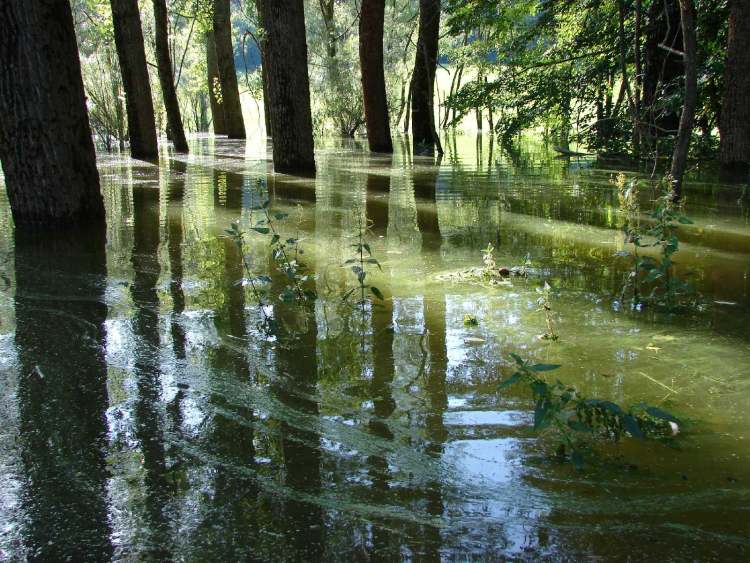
{"points": [[145, 414]]}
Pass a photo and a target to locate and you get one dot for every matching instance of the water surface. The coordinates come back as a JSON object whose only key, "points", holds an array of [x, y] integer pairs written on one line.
{"points": [[146, 416]]}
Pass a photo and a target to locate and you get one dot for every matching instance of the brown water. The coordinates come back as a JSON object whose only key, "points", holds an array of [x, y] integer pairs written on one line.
{"points": [[146, 417]]}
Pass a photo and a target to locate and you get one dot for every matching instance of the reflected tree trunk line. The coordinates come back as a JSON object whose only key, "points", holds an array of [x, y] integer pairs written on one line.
{"points": [[62, 394], [425, 192], [376, 204], [231, 436], [175, 230], [384, 405], [147, 370], [296, 379], [435, 323]]}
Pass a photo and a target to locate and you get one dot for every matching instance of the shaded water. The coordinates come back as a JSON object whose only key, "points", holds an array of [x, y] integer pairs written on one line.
{"points": [[146, 416]]}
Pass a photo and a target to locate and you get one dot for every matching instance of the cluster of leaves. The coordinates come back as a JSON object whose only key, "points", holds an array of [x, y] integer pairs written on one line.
{"points": [[545, 306], [359, 264], [649, 273], [285, 251], [578, 421]]}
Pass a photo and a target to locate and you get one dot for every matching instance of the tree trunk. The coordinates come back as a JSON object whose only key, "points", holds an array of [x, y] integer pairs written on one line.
{"points": [[679, 159], [423, 80], [214, 87], [166, 79], [661, 66], [264, 72], [734, 124], [371, 21], [288, 86], [132, 56], [227, 73], [46, 148]]}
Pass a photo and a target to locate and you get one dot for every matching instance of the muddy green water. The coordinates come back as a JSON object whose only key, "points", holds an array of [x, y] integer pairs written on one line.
{"points": [[145, 417]]}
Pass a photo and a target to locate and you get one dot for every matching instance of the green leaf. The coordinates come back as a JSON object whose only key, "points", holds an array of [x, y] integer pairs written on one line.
{"points": [[656, 412], [630, 424], [348, 294], [684, 220], [280, 216], [274, 239], [517, 358], [376, 292], [367, 248], [262, 230], [544, 367], [515, 378]]}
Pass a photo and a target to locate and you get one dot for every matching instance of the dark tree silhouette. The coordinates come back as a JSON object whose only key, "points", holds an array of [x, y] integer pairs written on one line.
{"points": [[371, 22], [288, 85], [130, 51], [230, 92], [166, 79], [214, 86], [424, 134], [734, 125], [45, 140]]}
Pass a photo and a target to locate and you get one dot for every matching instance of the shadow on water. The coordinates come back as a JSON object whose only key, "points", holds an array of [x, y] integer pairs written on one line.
{"points": [[62, 395]]}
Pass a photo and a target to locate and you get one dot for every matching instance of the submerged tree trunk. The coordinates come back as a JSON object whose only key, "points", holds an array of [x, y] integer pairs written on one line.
{"points": [[46, 148], [679, 159], [227, 73], [214, 86], [423, 80], [166, 79], [288, 86], [734, 125], [371, 21], [132, 56]]}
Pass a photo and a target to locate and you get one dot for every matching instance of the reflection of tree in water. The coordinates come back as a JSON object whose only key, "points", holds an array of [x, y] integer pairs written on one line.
{"points": [[62, 395], [148, 373]]}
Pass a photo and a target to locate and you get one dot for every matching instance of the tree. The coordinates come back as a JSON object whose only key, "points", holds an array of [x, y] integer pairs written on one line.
{"points": [[734, 124], [230, 92], [214, 86], [288, 86], [423, 80], [687, 119], [46, 148], [371, 22], [166, 79], [132, 56]]}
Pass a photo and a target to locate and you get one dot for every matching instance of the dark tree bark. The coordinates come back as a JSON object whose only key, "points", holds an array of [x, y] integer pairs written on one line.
{"points": [[46, 148], [132, 56], [230, 91], [264, 72], [166, 79], [288, 86], [423, 80], [687, 119], [734, 124], [662, 64], [214, 86], [371, 21]]}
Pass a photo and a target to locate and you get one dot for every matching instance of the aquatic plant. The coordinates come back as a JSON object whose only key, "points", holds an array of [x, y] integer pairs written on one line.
{"points": [[545, 306], [666, 289], [359, 263], [268, 324], [578, 421], [292, 268]]}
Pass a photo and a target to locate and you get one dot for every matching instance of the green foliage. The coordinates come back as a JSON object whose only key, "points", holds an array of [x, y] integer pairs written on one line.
{"points": [[579, 422], [652, 280], [359, 265]]}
